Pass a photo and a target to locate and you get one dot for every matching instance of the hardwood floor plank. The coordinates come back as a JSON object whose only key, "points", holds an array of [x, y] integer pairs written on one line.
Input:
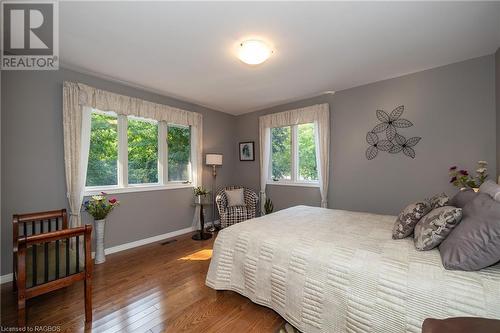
{"points": [[154, 288]]}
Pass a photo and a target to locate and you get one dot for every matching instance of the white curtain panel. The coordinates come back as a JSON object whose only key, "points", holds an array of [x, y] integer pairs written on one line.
{"points": [[265, 152], [318, 114], [76, 124], [79, 100]]}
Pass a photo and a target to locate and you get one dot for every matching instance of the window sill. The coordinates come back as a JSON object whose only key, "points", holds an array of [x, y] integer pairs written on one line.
{"points": [[290, 183], [136, 188]]}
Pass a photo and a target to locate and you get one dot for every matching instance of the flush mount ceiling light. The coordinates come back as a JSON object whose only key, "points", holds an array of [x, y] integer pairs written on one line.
{"points": [[254, 52]]}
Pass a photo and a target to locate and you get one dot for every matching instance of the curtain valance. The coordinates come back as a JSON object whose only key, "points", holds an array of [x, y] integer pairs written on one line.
{"points": [[131, 106], [308, 114]]}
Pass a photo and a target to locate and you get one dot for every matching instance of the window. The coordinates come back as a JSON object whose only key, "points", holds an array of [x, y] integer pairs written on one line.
{"points": [[103, 153], [132, 153], [179, 152], [293, 154], [307, 152], [281, 152], [142, 137]]}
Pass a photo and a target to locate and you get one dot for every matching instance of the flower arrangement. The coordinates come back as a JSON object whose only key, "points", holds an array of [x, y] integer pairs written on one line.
{"points": [[200, 191], [99, 206], [462, 179]]}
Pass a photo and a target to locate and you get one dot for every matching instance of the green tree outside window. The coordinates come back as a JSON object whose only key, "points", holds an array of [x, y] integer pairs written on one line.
{"points": [[103, 153]]}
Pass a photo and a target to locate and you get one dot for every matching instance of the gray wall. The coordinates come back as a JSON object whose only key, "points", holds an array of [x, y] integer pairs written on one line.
{"points": [[497, 94], [33, 163], [453, 110]]}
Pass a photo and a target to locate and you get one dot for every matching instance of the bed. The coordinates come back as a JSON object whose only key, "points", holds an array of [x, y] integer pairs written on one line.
{"points": [[327, 270]]}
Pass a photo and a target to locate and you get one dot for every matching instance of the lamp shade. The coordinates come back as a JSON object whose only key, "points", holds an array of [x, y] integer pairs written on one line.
{"points": [[213, 159]]}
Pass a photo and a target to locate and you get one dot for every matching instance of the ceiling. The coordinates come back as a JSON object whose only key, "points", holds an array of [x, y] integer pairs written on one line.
{"points": [[187, 49]]}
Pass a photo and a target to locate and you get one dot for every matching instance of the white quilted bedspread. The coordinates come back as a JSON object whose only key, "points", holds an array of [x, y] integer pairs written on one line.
{"points": [[329, 270]]}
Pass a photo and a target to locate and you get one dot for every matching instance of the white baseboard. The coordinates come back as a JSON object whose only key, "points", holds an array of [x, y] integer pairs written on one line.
{"points": [[145, 241], [8, 277], [5, 278]]}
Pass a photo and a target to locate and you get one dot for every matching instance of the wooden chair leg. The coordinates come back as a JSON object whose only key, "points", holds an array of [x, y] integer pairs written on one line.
{"points": [[14, 282], [21, 286], [14, 270], [89, 268], [21, 311], [88, 300]]}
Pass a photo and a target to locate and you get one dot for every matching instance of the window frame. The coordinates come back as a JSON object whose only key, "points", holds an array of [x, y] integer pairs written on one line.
{"points": [[294, 181], [123, 185]]}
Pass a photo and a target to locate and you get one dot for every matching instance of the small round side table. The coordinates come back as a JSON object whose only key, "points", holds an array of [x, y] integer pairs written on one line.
{"points": [[201, 235]]}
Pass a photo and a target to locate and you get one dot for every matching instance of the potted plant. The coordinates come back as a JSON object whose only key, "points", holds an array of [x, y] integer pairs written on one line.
{"points": [[463, 180], [200, 192], [99, 206], [268, 206]]}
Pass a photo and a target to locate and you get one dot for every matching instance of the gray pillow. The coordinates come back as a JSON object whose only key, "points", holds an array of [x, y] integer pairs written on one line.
{"points": [[433, 228], [439, 200], [491, 188], [235, 197], [408, 218], [462, 198], [475, 243]]}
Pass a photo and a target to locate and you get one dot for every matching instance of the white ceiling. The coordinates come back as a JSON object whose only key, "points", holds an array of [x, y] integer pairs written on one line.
{"points": [[186, 50]]}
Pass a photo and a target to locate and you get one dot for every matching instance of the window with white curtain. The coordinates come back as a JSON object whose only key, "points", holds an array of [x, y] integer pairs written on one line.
{"points": [[130, 153], [293, 155]]}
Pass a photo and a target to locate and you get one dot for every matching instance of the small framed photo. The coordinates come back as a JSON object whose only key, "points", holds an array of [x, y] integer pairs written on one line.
{"points": [[247, 151]]}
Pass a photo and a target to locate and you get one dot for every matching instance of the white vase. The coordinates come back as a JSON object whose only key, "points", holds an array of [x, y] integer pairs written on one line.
{"points": [[99, 241]]}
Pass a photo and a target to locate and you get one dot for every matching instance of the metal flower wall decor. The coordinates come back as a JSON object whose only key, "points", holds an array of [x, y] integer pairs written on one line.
{"points": [[393, 142]]}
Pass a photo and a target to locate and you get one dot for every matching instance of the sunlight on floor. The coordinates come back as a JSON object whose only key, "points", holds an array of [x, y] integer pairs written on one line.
{"points": [[200, 255]]}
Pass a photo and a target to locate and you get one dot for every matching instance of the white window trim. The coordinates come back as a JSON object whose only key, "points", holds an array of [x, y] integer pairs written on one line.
{"points": [[94, 190], [122, 151], [122, 167], [294, 181]]}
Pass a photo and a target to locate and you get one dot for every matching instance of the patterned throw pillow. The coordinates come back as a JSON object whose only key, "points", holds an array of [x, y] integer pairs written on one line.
{"points": [[439, 200], [433, 228], [408, 218]]}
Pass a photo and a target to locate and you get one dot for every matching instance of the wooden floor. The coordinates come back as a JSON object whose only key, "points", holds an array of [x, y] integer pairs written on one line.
{"points": [[153, 288]]}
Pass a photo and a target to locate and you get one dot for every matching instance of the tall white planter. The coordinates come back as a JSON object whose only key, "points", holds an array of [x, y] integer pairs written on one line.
{"points": [[99, 241]]}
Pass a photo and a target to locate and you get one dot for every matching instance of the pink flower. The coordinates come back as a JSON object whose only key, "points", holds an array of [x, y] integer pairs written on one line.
{"points": [[453, 168], [453, 179], [112, 201], [464, 172]]}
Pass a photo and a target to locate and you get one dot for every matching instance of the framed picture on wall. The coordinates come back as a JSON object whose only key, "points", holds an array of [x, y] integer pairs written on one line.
{"points": [[247, 151]]}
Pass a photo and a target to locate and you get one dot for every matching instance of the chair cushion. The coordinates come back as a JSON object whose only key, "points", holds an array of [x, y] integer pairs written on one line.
{"points": [[40, 262], [235, 197]]}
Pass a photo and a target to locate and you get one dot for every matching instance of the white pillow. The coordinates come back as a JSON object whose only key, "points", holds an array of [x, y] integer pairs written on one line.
{"points": [[491, 188], [235, 197]]}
